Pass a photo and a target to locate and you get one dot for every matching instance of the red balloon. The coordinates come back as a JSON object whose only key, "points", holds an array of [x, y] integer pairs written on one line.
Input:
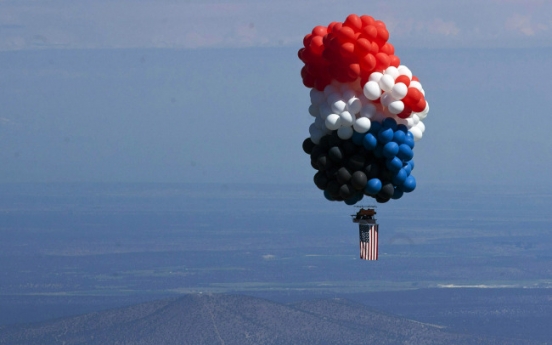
{"points": [[367, 20], [394, 61], [321, 83], [414, 78], [347, 49], [370, 32], [388, 49], [379, 23], [382, 61], [412, 97], [309, 81], [307, 39], [317, 45], [346, 34], [403, 79], [353, 70], [383, 34], [354, 22], [368, 62], [300, 54], [319, 30], [405, 113], [362, 47], [420, 105], [375, 48], [331, 26]]}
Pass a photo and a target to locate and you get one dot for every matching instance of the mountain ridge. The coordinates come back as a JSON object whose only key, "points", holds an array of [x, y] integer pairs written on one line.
{"points": [[238, 319]]}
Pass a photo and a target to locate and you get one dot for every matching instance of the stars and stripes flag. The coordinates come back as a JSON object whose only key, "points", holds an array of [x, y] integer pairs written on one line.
{"points": [[368, 241]]}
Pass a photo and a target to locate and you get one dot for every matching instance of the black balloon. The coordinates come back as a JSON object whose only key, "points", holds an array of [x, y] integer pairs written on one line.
{"points": [[320, 180], [358, 180], [333, 188], [335, 154], [324, 162], [308, 145], [349, 147], [356, 162], [343, 175], [372, 171], [324, 142], [346, 191], [386, 191]]}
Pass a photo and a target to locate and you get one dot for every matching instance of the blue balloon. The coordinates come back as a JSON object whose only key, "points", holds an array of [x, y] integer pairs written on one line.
{"points": [[409, 184], [399, 177], [390, 123], [399, 137], [411, 163], [374, 128], [402, 128], [369, 142], [373, 186], [397, 194], [394, 164], [405, 153], [328, 196], [406, 167], [357, 138], [409, 140], [390, 149], [385, 135]]}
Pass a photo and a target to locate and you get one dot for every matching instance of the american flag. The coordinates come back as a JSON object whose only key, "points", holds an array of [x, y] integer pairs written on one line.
{"points": [[368, 241]]}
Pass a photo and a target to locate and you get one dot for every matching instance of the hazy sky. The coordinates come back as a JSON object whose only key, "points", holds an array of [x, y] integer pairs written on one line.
{"points": [[224, 101], [30, 24]]}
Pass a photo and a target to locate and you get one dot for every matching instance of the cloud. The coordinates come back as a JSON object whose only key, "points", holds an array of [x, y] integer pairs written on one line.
{"points": [[28, 24], [525, 25]]}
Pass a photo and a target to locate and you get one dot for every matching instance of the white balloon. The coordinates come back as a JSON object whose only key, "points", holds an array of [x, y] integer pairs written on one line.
{"points": [[338, 107], [345, 132], [362, 125], [395, 107], [415, 85], [392, 71], [333, 97], [320, 123], [330, 89], [386, 82], [386, 99], [421, 126], [346, 119], [325, 110], [403, 70], [372, 90], [401, 121], [317, 97], [424, 112], [376, 76], [368, 110], [314, 110], [378, 117], [347, 95], [354, 105], [416, 133], [416, 119], [422, 91], [345, 88], [410, 122], [315, 134], [333, 122], [399, 91]]}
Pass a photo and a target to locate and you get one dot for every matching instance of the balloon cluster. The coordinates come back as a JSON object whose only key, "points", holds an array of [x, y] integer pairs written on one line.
{"points": [[368, 110]]}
